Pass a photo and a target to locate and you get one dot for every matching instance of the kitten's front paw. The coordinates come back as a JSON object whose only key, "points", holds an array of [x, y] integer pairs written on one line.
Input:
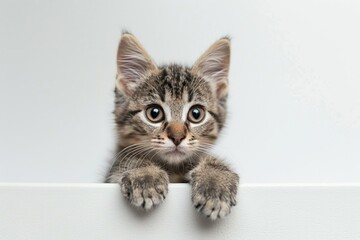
{"points": [[214, 197], [145, 187]]}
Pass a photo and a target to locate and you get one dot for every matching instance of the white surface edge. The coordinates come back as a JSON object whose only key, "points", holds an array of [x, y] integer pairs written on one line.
{"points": [[98, 211]]}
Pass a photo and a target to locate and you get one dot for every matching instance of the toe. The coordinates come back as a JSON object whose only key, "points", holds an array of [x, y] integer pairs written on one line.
{"points": [[148, 204], [209, 208], [224, 209], [137, 198]]}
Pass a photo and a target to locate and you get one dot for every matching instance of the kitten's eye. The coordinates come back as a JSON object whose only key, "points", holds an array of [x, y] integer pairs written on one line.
{"points": [[196, 114], [155, 113]]}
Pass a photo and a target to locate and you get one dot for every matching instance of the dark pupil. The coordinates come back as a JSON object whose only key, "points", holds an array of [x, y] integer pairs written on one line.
{"points": [[155, 113], [196, 113]]}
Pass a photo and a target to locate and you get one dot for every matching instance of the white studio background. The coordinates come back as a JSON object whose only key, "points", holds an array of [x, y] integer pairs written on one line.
{"points": [[294, 98]]}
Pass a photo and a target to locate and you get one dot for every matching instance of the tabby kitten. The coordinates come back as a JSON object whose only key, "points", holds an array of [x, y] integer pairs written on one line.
{"points": [[167, 118]]}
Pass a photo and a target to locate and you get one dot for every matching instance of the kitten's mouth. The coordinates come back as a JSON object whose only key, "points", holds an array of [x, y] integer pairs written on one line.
{"points": [[175, 152]]}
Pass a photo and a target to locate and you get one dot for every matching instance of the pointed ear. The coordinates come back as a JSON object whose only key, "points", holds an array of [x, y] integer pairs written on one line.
{"points": [[134, 64], [213, 66]]}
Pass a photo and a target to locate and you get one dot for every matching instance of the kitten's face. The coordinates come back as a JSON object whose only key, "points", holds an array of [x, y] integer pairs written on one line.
{"points": [[172, 112]]}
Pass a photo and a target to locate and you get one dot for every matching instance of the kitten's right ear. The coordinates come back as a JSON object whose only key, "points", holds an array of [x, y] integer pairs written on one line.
{"points": [[134, 64]]}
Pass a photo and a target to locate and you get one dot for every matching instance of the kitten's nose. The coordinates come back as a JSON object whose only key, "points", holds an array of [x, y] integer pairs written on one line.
{"points": [[176, 132]]}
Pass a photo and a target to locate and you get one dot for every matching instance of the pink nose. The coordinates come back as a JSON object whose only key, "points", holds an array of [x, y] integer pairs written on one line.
{"points": [[176, 132]]}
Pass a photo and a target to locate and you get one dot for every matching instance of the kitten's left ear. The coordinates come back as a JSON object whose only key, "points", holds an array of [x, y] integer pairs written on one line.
{"points": [[213, 66]]}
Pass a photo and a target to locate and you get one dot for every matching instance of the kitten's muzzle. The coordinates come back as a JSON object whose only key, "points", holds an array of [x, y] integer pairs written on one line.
{"points": [[176, 132]]}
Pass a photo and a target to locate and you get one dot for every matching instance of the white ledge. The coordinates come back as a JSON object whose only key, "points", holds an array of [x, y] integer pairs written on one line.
{"points": [[98, 211]]}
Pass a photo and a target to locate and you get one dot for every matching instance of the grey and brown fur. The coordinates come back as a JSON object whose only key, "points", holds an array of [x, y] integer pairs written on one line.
{"points": [[150, 155]]}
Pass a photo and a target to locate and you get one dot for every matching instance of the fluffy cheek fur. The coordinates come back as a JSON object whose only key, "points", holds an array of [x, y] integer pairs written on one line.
{"points": [[206, 133]]}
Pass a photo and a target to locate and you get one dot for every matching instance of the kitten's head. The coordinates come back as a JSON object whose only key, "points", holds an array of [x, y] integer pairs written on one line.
{"points": [[175, 111]]}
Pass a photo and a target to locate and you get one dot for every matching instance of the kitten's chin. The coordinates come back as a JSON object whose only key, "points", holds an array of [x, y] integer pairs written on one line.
{"points": [[174, 156]]}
